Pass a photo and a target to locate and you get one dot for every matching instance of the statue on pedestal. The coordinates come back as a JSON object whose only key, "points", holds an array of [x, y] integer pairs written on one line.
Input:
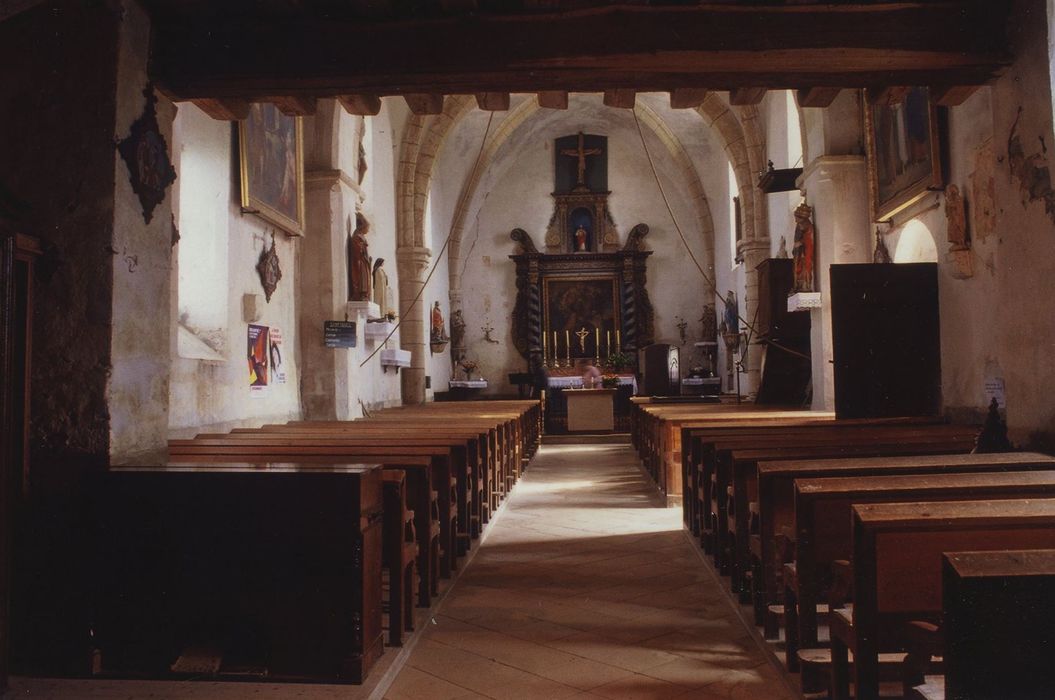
{"points": [[380, 281], [359, 266], [802, 250]]}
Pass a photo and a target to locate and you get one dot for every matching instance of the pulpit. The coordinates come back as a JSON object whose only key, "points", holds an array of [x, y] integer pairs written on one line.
{"points": [[590, 410]]}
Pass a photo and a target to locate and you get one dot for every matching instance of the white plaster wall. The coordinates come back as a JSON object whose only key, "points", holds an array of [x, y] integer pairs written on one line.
{"points": [[216, 394], [139, 379], [515, 192]]}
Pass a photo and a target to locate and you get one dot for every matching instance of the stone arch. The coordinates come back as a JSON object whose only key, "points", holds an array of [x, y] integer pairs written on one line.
{"points": [[915, 243]]}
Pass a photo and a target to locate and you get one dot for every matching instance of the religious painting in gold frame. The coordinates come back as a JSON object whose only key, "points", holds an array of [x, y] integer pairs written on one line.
{"points": [[571, 304], [271, 164], [903, 146]]}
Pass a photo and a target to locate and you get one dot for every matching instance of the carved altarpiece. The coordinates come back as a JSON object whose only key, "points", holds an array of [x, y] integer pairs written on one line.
{"points": [[633, 314]]}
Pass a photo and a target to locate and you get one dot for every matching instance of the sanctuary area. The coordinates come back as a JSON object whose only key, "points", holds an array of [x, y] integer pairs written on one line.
{"points": [[527, 348]]}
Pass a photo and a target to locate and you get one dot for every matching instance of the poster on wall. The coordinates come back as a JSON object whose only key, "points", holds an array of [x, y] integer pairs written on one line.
{"points": [[259, 351], [278, 358]]}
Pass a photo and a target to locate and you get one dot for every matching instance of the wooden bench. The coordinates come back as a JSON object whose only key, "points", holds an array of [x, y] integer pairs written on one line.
{"points": [[998, 612], [424, 470], [251, 569], [897, 568], [399, 553], [818, 516]]}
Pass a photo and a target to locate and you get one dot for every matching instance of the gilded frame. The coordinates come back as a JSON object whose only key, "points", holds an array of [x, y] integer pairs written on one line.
{"points": [[263, 171], [891, 196]]}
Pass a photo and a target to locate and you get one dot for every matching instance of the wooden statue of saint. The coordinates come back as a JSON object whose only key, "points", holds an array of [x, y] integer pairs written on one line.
{"points": [[359, 272], [439, 332], [802, 251]]}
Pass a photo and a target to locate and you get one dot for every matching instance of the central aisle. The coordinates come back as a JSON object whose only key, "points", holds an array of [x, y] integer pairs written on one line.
{"points": [[586, 587]]}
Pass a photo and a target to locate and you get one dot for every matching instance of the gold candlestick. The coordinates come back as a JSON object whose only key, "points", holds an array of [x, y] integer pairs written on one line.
{"points": [[608, 337], [618, 342], [597, 343], [567, 345], [544, 358]]}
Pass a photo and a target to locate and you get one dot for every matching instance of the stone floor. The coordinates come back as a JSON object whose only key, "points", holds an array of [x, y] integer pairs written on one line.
{"points": [[585, 587]]}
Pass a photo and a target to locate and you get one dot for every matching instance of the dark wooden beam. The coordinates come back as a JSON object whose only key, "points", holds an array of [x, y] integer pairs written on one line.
{"points": [[687, 98], [623, 99], [459, 6], [360, 105], [817, 97], [295, 106], [640, 47], [228, 110], [553, 99], [493, 101], [425, 103], [744, 96], [952, 96]]}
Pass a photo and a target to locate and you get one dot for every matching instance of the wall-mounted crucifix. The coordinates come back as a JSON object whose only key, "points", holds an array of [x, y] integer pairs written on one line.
{"points": [[581, 153]]}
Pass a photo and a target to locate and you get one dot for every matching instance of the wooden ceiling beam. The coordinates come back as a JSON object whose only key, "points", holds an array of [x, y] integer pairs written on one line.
{"points": [[552, 99], [952, 96], [493, 101], [817, 96], [294, 106], [687, 98], [746, 96], [424, 103], [646, 47], [227, 110], [360, 105], [622, 99]]}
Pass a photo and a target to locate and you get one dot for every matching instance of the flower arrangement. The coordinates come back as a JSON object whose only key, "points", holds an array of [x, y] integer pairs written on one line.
{"points": [[619, 360], [469, 366], [609, 381]]}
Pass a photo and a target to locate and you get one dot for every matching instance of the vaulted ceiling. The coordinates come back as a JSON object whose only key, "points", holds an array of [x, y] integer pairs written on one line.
{"points": [[227, 54]]}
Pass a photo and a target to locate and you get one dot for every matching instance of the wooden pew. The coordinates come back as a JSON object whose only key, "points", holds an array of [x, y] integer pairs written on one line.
{"points": [[897, 567], [819, 513], [998, 612], [735, 468], [264, 565], [398, 555], [424, 468], [464, 460], [694, 435]]}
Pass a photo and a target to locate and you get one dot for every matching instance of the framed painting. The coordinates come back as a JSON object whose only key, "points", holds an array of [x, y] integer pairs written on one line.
{"points": [[271, 158], [575, 303], [903, 145]]}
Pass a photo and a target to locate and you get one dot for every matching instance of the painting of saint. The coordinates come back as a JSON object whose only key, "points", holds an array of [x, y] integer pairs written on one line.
{"points": [[903, 154], [272, 167]]}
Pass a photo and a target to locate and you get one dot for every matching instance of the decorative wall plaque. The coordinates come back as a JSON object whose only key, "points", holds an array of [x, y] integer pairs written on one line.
{"points": [[268, 267], [146, 154]]}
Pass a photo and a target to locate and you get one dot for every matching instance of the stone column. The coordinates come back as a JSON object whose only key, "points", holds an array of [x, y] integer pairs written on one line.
{"points": [[755, 251], [321, 296], [837, 189], [413, 264]]}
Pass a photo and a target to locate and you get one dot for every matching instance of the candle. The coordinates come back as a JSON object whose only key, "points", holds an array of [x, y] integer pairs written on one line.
{"points": [[597, 341], [543, 348], [567, 345], [618, 342], [608, 338]]}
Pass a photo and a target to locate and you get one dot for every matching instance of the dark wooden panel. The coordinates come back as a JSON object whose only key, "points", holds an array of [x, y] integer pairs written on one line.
{"points": [[886, 340]]}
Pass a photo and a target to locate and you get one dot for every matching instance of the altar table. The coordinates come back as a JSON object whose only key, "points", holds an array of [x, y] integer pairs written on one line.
{"points": [[590, 409]]}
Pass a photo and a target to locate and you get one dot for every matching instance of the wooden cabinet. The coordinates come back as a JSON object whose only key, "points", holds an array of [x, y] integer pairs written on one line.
{"points": [[886, 340]]}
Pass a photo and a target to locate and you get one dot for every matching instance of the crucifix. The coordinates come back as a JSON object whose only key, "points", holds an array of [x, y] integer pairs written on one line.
{"points": [[582, 333], [581, 153]]}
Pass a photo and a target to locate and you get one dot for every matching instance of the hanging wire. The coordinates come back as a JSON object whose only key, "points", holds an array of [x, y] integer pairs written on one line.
{"points": [[710, 283], [461, 203]]}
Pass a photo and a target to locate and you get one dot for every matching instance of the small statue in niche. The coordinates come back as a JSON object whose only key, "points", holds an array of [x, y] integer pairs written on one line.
{"points": [[956, 213], [580, 239], [439, 332], [380, 282], [881, 256], [802, 250], [359, 272]]}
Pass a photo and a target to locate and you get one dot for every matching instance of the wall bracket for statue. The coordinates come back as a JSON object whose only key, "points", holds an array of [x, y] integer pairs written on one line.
{"points": [[145, 152]]}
